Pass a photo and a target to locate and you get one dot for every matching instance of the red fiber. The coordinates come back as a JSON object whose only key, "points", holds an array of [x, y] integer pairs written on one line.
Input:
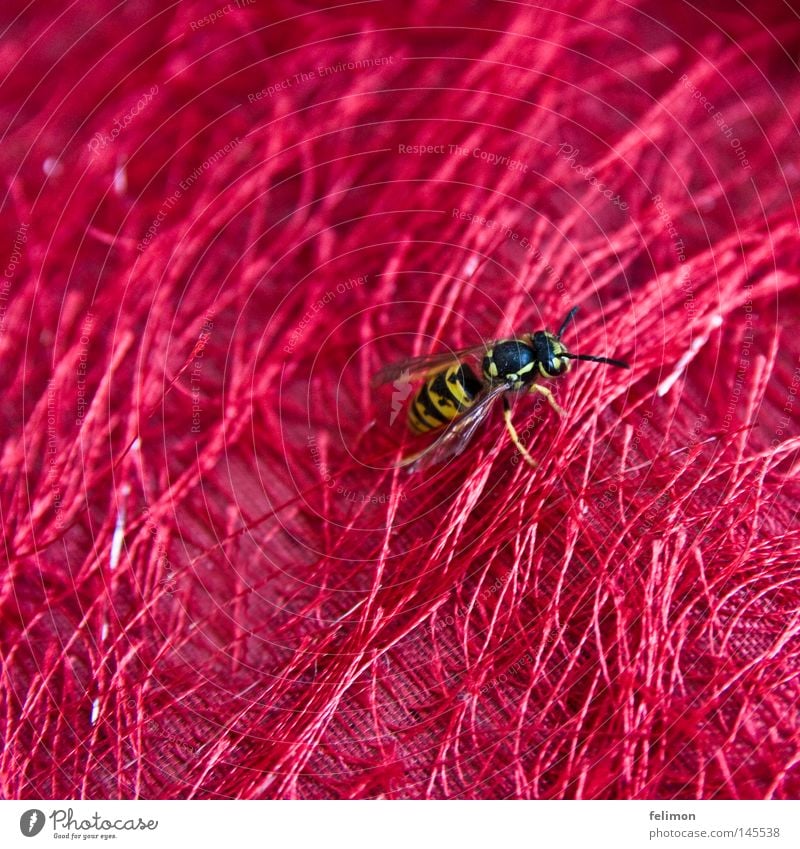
{"points": [[218, 225]]}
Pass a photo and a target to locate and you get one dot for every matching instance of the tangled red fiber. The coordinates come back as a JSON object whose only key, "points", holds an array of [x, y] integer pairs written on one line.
{"points": [[219, 221]]}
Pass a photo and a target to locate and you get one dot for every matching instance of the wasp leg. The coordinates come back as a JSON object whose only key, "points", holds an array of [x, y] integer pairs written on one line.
{"points": [[543, 390], [512, 432]]}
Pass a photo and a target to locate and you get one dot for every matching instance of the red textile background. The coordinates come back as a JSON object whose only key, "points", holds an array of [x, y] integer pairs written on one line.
{"points": [[218, 223]]}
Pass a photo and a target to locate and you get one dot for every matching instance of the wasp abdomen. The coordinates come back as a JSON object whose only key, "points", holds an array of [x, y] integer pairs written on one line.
{"points": [[444, 396]]}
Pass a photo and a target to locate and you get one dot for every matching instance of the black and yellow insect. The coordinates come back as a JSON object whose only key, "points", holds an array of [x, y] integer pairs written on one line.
{"points": [[455, 397]]}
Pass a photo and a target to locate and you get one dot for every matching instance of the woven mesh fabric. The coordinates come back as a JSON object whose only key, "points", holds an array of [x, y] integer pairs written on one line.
{"points": [[219, 223]]}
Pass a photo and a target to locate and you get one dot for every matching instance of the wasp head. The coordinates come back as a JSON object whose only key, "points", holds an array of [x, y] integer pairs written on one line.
{"points": [[551, 354], [553, 357]]}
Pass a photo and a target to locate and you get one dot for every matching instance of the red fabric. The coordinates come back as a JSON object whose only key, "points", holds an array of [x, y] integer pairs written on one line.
{"points": [[216, 584]]}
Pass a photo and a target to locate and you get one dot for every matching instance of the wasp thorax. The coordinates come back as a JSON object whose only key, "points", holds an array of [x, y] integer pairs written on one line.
{"points": [[511, 361]]}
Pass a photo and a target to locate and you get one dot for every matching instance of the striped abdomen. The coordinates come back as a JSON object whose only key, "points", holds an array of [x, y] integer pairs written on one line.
{"points": [[445, 395]]}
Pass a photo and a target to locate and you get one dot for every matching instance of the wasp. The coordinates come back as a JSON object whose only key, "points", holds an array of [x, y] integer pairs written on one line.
{"points": [[454, 397]]}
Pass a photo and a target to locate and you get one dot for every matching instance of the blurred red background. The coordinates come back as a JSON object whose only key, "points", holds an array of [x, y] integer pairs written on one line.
{"points": [[219, 221]]}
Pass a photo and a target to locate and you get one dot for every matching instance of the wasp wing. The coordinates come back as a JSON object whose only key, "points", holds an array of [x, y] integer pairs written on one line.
{"points": [[458, 434], [416, 368]]}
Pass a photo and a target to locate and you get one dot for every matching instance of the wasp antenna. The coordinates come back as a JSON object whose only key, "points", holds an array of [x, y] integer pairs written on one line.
{"points": [[566, 321], [592, 359]]}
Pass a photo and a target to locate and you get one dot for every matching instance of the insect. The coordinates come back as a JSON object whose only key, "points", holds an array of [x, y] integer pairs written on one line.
{"points": [[455, 397]]}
